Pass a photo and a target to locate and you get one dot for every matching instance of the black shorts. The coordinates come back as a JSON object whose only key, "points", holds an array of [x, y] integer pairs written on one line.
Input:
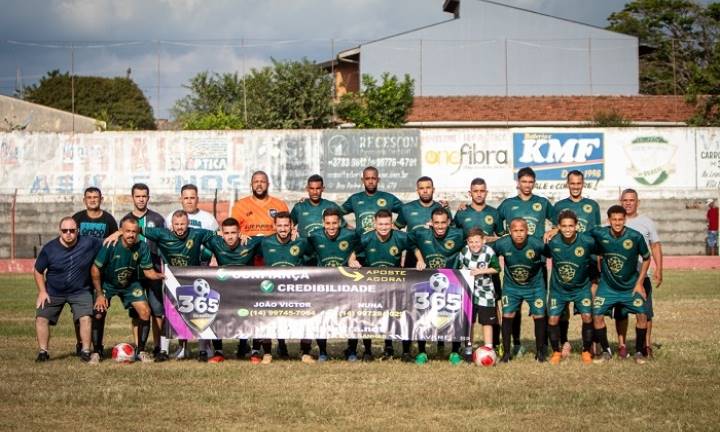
{"points": [[485, 315]]}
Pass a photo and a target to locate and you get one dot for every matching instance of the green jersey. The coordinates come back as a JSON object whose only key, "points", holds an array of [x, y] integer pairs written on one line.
{"points": [[240, 255], [290, 254], [523, 265], [364, 207], [120, 265], [414, 215], [535, 211], [334, 252], [308, 216], [486, 219], [571, 262], [180, 251], [620, 256], [438, 252], [586, 210], [385, 253]]}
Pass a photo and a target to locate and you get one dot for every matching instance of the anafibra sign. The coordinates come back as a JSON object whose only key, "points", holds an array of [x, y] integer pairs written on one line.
{"points": [[553, 155]]}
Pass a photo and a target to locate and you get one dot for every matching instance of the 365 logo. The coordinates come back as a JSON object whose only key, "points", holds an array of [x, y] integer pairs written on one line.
{"points": [[198, 304], [437, 302]]}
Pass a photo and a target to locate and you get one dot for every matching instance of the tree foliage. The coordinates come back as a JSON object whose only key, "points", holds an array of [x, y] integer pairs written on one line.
{"points": [[680, 42], [378, 106], [117, 101], [286, 95]]}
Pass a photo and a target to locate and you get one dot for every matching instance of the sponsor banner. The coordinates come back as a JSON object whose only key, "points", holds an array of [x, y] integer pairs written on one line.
{"points": [[395, 153], [708, 158], [318, 303], [553, 154], [454, 157]]}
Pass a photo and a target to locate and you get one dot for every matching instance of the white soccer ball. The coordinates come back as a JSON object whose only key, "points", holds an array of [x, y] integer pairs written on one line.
{"points": [[439, 282], [201, 287], [484, 356], [123, 353]]}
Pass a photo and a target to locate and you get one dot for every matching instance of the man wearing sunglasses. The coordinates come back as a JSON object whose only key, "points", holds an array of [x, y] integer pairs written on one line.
{"points": [[62, 276]]}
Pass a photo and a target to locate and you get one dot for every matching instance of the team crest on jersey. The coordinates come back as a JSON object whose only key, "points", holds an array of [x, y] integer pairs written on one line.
{"points": [[137, 292], [437, 303], [628, 244], [587, 208], [530, 254], [294, 250], [520, 275], [539, 303], [189, 244], [579, 251], [343, 245], [272, 212], [381, 202], [135, 256], [537, 207], [637, 302], [566, 272], [615, 264], [394, 250], [449, 244], [586, 302], [198, 304], [489, 220]]}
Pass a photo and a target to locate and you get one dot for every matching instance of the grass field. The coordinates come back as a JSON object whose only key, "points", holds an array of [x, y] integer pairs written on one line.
{"points": [[679, 390]]}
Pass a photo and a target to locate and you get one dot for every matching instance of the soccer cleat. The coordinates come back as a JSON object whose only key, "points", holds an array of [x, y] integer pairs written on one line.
{"points": [[78, 349], [203, 356], [322, 358], [242, 351], [162, 356], [467, 353], [156, 351], [518, 351], [85, 355], [421, 359], [42, 356], [505, 358], [266, 359], [623, 352], [307, 358], [283, 353], [367, 357], [540, 356], [388, 354], [352, 357], [566, 350], [455, 358], [586, 357], [255, 357], [143, 357], [406, 357], [218, 357], [605, 357], [94, 359], [556, 358], [640, 358]]}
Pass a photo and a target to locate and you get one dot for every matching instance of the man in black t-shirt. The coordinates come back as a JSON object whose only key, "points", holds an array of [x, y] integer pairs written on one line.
{"points": [[93, 222]]}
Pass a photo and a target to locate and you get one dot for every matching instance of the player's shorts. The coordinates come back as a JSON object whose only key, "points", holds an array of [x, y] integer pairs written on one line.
{"points": [[132, 293], [534, 296], [154, 293], [560, 299], [485, 315], [81, 304], [606, 298], [620, 313]]}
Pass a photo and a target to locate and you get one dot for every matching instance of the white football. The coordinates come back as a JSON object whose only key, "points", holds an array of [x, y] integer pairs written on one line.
{"points": [[201, 287], [439, 282], [484, 356], [123, 353]]}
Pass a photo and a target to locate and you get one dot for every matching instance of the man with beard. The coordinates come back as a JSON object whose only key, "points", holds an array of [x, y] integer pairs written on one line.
{"points": [[439, 246], [365, 204], [197, 217], [255, 212], [333, 246], [116, 271], [140, 194], [383, 247]]}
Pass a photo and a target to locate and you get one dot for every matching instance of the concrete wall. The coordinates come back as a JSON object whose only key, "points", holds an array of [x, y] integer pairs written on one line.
{"points": [[16, 114]]}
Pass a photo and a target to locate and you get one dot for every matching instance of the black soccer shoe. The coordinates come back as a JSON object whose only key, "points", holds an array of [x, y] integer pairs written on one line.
{"points": [[283, 353], [367, 357], [161, 356], [388, 354], [85, 355], [42, 356], [203, 356], [406, 357]]}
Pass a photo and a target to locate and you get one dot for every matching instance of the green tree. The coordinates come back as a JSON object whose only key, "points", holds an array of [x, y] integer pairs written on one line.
{"points": [[117, 101], [378, 106], [286, 95]]}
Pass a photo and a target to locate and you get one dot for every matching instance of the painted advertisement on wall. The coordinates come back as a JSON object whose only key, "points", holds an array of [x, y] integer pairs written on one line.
{"points": [[552, 155]]}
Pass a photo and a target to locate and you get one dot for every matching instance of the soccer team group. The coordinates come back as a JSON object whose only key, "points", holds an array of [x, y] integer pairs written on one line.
{"points": [[601, 269]]}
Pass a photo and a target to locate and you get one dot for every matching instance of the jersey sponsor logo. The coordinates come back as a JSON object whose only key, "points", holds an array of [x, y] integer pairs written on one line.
{"points": [[394, 250], [294, 250], [343, 245], [306, 213], [272, 212], [581, 226], [489, 220], [360, 203], [587, 208], [537, 207], [531, 226], [137, 292], [449, 244], [628, 244], [198, 304], [414, 213], [381, 202], [638, 302], [552, 155], [123, 276], [513, 208], [151, 224], [566, 272], [579, 251], [615, 264], [520, 275], [530, 254]]}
